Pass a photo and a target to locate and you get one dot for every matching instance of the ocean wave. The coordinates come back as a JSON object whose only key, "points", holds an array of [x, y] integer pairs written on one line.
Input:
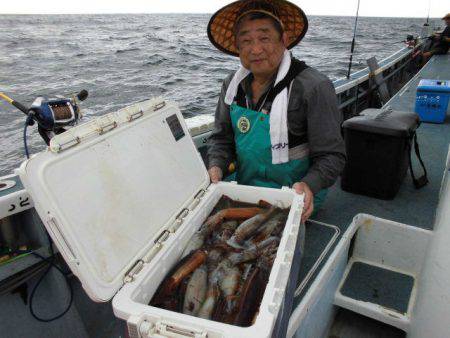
{"points": [[154, 37], [134, 49], [155, 59]]}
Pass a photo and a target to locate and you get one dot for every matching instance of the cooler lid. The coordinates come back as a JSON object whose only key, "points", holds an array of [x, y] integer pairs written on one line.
{"points": [[385, 122], [108, 188]]}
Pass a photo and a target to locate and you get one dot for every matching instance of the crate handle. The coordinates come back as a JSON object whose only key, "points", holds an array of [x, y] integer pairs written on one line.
{"points": [[172, 330]]}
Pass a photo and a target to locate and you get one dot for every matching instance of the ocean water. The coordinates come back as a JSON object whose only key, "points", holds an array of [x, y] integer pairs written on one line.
{"points": [[121, 59]]}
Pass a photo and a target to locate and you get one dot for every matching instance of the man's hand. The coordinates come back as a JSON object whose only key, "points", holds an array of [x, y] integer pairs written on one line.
{"points": [[215, 174], [308, 207]]}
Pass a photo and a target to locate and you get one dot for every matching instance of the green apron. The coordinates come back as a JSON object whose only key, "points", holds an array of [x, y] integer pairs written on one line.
{"points": [[254, 154]]}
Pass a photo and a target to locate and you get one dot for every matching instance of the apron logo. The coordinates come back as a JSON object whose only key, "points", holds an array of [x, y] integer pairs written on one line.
{"points": [[243, 124]]}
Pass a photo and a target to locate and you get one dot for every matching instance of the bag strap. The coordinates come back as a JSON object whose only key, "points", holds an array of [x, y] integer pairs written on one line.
{"points": [[296, 68], [422, 180]]}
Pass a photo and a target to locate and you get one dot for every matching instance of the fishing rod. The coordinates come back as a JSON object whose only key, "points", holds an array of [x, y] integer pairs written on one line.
{"points": [[16, 104], [353, 41]]}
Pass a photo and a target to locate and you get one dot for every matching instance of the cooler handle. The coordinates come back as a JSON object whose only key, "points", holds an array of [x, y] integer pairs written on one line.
{"points": [[171, 330], [54, 228]]}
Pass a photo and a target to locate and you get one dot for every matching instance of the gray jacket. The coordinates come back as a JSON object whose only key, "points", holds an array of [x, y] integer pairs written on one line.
{"points": [[313, 110]]}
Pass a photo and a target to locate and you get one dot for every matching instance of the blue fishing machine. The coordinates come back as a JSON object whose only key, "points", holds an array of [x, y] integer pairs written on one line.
{"points": [[432, 100]]}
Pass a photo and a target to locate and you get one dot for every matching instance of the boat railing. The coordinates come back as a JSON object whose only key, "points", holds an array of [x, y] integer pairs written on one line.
{"points": [[360, 90]]}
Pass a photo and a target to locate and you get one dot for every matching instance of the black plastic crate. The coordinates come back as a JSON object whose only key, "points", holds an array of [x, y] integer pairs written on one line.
{"points": [[378, 148]]}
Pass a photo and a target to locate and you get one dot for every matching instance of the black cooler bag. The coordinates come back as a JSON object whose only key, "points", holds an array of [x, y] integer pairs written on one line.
{"points": [[378, 145]]}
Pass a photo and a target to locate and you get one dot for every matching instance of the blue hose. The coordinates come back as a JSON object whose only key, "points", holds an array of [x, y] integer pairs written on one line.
{"points": [[29, 121]]}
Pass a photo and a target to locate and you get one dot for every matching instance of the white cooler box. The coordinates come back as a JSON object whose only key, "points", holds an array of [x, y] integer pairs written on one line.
{"points": [[121, 196]]}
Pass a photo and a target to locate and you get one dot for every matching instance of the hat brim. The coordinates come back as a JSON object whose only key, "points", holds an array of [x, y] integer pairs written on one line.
{"points": [[221, 24]]}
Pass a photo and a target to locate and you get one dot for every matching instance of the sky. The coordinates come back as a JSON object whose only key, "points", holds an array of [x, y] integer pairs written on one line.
{"points": [[392, 8]]}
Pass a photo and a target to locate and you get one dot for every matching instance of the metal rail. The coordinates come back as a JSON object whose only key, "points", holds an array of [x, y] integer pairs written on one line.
{"points": [[359, 92]]}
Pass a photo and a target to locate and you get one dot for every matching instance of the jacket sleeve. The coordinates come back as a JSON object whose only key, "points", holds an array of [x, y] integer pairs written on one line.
{"points": [[221, 147], [326, 145]]}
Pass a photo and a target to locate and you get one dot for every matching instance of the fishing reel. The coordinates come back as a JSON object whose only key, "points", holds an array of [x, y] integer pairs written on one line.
{"points": [[53, 115], [411, 41]]}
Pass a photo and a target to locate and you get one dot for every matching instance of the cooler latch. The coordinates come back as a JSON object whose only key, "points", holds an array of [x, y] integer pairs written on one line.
{"points": [[198, 197], [179, 220], [134, 270], [159, 105], [104, 128], [162, 237], [200, 194], [158, 245], [135, 116], [65, 145]]}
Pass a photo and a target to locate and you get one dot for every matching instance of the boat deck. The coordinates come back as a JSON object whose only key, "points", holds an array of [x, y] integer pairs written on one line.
{"points": [[410, 206]]}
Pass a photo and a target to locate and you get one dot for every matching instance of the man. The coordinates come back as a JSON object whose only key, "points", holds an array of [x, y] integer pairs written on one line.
{"points": [[441, 41], [277, 118]]}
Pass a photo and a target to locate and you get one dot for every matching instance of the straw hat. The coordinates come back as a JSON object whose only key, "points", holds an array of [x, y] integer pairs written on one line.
{"points": [[446, 17], [221, 25]]}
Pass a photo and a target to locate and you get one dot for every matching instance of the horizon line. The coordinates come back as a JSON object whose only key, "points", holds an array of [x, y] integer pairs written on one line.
{"points": [[203, 13]]}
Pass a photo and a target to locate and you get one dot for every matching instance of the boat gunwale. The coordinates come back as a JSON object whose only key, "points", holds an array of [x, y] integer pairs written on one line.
{"points": [[364, 74]]}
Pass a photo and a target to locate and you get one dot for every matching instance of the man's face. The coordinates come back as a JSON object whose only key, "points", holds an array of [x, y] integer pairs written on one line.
{"points": [[447, 21], [260, 46]]}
